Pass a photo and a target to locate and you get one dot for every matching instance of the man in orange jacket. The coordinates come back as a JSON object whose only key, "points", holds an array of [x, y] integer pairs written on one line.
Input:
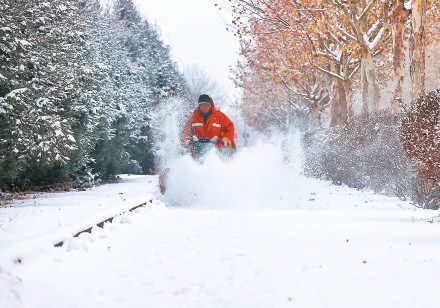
{"points": [[207, 121]]}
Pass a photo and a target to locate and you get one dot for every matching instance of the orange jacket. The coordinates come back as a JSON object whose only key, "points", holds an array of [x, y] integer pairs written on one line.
{"points": [[217, 124]]}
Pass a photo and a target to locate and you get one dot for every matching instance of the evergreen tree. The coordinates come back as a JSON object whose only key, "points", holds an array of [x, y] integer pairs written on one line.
{"points": [[78, 89]]}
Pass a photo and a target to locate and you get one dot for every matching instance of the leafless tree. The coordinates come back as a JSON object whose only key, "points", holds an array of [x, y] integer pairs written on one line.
{"points": [[200, 82]]}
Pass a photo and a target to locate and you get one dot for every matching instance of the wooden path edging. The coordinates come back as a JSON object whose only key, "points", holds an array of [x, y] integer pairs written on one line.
{"points": [[101, 223]]}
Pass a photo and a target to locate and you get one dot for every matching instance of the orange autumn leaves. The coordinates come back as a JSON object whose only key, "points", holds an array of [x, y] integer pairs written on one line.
{"points": [[294, 43]]}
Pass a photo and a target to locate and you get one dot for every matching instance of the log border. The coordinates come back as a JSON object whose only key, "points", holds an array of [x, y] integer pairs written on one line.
{"points": [[102, 223]]}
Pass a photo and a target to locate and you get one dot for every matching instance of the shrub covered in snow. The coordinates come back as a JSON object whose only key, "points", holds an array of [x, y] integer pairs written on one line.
{"points": [[420, 132], [133, 167], [365, 153], [84, 180]]}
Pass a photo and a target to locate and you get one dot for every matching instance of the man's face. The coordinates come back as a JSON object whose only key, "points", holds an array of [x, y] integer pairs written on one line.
{"points": [[205, 107]]}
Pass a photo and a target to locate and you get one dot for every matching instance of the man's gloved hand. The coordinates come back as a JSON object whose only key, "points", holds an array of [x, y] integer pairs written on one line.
{"points": [[226, 142]]}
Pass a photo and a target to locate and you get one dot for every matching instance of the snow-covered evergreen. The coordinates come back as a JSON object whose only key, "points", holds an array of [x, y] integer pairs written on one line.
{"points": [[77, 89]]}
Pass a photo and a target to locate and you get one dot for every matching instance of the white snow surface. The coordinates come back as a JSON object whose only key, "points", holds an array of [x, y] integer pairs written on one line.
{"points": [[46, 219], [250, 232]]}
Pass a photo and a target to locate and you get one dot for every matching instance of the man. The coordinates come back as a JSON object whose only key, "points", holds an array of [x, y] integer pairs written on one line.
{"points": [[207, 121]]}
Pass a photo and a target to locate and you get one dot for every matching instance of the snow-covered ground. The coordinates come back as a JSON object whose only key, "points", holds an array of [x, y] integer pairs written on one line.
{"points": [[50, 218], [253, 232]]}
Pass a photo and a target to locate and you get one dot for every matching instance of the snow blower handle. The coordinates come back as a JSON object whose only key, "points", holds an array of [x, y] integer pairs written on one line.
{"points": [[196, 139]]}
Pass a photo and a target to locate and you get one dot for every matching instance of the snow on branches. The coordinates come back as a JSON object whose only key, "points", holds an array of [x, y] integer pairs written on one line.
{"points": [[77, 89], [351, 46]]}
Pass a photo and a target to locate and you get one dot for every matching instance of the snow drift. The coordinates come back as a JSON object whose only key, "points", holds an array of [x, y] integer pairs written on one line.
{"points": [[263, 175]]}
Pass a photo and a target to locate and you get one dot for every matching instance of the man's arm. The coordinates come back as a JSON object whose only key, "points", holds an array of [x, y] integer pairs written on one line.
{"points": [[228, 130]]}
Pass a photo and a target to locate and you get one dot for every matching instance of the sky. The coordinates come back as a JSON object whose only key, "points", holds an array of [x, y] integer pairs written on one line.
{"points": [[196, 33]]}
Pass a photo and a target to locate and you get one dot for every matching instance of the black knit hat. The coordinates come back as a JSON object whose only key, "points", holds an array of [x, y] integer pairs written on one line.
{"points": [[204, 98]]}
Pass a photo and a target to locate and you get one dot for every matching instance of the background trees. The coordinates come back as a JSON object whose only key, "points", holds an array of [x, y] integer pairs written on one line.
{"points": [[356, 71], [77, 88], [199, 81], [355, 51]]}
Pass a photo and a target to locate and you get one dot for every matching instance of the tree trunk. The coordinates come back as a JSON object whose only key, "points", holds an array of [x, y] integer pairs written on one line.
{"points": [[339, 107], [316, 116], [348, 94], [398, 18], [343, 104], [417, 48], [370, 89], [334, 106]]}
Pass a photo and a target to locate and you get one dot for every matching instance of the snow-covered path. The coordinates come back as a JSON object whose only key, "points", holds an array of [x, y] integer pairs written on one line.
{"points": [[266, 238], [327, 256], [48, 218]]}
